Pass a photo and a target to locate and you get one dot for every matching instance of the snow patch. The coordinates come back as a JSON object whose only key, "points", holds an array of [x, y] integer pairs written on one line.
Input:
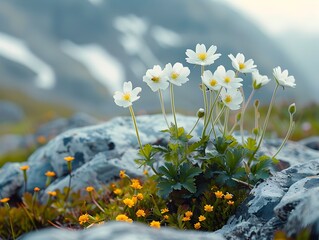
{"points": [[102, 65], [165, 37], [133, 30], [16, 50]]}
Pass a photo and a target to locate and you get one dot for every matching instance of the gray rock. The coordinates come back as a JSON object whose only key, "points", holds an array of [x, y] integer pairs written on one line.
{"points": [[57, 126], [113, 143], [311, 142], [272, 205], [123, 231], [10, 112]]}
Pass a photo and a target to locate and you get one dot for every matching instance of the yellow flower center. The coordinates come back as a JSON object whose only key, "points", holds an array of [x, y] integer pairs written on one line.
{"points": [[228, 99], [241, 66], [202, 56], [227, 80], [126, 96], [174, 75], [155, 79], [213, 82]]}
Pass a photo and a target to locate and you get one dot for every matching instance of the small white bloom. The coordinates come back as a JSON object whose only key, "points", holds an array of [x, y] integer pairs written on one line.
{"points": [[240, 65], [232, 98], [282, 77], [128, 96], [228, 79], [156, 78], [259, 80], [211, 81], [201, 56], [177, 74]]}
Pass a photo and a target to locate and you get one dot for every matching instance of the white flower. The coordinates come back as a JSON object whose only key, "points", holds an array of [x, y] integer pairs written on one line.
{"points": [[227, 79], [211, 81], [156, 78], [282, 77], [201, 56], [259, 80], [240, 65], [232, 98], [128, 96], [176, 74]]}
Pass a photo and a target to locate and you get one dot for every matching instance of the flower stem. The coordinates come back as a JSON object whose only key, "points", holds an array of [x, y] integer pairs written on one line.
{"points": [[290, 129], [136, 129], [243, 114], [212, 107], [69, 187], [265, 123], [194, 126], [205, 98], [226, 122], [173, 107], [162, 106]]}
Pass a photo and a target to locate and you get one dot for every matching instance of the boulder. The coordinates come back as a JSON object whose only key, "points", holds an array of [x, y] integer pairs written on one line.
{"points": [[286, 201]]}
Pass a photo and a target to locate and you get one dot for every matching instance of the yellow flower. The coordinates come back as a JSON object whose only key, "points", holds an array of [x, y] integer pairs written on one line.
{"points": [[164, 210], [69, 158], [201, 218], [134, 199], [185, 219], [219, 194], [140, 213], [230, 202], [136, 184], [50, 174], [4, 200], [53, 193], [24, 168], [89, 189], [36, 189], [155, 224], [188, 214], [140, 196], [122, 174], [228, 196], [41, 139], [121, 217], [117, 191], [166, 217], [129, 202], [83, 218], [197, 225], [208, 208], [145, 172]]}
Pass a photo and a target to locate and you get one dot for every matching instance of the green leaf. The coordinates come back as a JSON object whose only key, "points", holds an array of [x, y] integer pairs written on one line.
{"points": [[250, 144]]}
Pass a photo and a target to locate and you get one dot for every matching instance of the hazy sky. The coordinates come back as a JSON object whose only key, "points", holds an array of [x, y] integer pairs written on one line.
{"points": [[276, 16]]}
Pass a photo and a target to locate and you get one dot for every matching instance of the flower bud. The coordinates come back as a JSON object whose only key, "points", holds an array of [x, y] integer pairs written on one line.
{"points": [[255, 131], [238, 117], [292, 109], [256, 103], [200, 113]]}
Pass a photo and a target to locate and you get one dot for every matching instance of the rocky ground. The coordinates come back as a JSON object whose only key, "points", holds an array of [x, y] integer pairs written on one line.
{"points": [[286, 201]]}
